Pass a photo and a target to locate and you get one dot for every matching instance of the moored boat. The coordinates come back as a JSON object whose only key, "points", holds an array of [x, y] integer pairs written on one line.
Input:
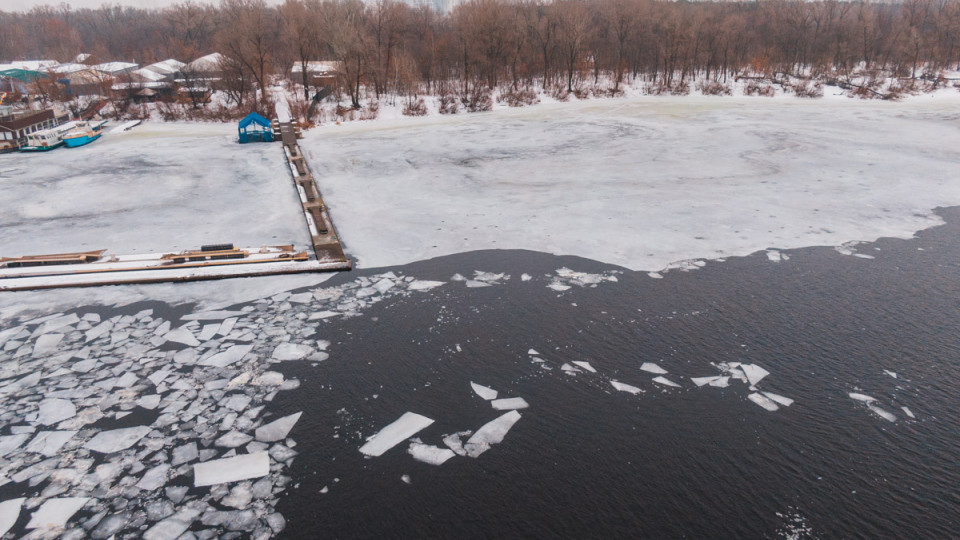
{"points": [[83, 133], [47, 139]]}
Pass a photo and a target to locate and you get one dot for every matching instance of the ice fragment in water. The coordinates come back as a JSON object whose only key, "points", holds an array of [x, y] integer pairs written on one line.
{"points": [[184, 454], [491, 433], [233, 439], [182, 335], [625, 387], [423, 285], [861, 397], [209, 330], [453, 442], [484, 391], [172, 527], [227, 357], [508, 404], [56, 512], [700, 381], [46, 344], [107, 442], [231, 469], [154, 478], [890, 373], [569, 369], [291, 351], [773, 255], [881, 413], [721, 382], [585, 365], [782, 400], [278, 429], [665, 381], [532, 352], [763, 401], [403, 428], [212, 315], [149, 402], [428, 453], [405, 478], [754, 373], [9, 513], [525, 277], [907, 412], [49, 443], [650, 367], [9, 443]]}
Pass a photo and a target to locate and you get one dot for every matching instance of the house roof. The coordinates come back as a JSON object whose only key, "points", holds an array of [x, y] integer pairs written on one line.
{"points": [[115, 67], [166, 67], [24, 75], [210, 62], [254, 118]]}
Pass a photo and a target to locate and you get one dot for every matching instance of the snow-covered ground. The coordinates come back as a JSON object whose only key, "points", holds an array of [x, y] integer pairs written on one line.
{"points": [[156, 188], [643, 182]]}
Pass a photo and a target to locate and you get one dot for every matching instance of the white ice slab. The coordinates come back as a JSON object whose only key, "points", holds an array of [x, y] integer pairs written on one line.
{"points": [[49, 443], [9, 513], [291, 351], [700, 381], [9, 443], [212, 315], [890, 373], [754, 373], [650, 367], [509, 404], [484, 392], [782, 400], [625, 387], [763, 401], [424, 285], [278, 429], [393, 434], [182, 335], [889, 417], [721, 382], [227, 357], [533, 352], [665, 381], [862, 397], [107, 442], [907, 412], [490, 433], [428, 453], [585, 365], [56, 512], [233, 469]]}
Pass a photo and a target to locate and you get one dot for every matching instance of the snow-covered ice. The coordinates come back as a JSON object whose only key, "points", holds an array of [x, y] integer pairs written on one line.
{"points": [[393, 434], [665, 381], [9, 512], [107, 442], [508, 404], [754, 373], [53, 410], [585, 365], [490, 433], [428, 453], [763, 401], [650, 367], [278, 429], [55, 512], [231, 469], [621, 387], [484, 392]]}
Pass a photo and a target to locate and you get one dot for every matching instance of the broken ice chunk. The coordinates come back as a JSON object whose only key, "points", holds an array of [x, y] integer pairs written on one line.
{"points": [[484, 392], [721, 382], [453, 442], [107, 442], [763, 401], [700, 381], [56, 512], [9, 443], [567, 368], [754, 373], [278, 429], [625, 387], [533, 352], [861, 397], [233, 439], [665, 381], [405, 478], [890, 373], [233, 469], [49, 443], [46, 344], [209, 330], [555, 285], [650, 367], [149, 402], [424, 285], [782, 400], [9, 513], [585, 365], [184, 454], [227, 357], [403, 428], [291, 351], [182, 335], [525, 277], [154, 478], [172, 527], [881, 413], [428, 453], [491, 433], [907, 412], [509, 404], [211, 315]]}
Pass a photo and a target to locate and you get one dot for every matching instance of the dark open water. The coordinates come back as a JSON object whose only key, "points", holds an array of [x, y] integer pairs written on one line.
{"points": [[588, 462]]}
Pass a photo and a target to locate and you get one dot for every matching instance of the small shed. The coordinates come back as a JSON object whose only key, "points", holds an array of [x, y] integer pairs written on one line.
{"points": [[255, 128]]}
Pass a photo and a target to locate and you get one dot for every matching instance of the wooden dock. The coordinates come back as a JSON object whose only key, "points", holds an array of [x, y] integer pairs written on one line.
{"points": [[326, 243]]}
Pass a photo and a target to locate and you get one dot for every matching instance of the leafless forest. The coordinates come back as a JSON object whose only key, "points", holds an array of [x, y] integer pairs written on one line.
{"points": [[392, 48]]}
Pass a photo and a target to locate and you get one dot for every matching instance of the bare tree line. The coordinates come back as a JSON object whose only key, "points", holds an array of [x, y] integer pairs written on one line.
{"points": [[392, 48]]}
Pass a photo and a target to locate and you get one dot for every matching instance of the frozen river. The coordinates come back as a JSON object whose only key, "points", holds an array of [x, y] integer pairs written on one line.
{"points": [[548, 387]]}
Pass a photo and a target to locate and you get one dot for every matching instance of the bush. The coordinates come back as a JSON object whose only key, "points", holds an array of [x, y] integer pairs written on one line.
{"points": [[680, 89], [757, 88], [807, 89], [676, 89], [415, 108], [560, 93], [581, 93], [371, 111], [449, 104], [478, 100], [519, 98], [714, 88]]}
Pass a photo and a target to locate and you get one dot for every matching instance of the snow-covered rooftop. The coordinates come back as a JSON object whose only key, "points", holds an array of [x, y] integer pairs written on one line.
{"points": [[166, 67], [322, 67], [210, 62], [116, 67]]}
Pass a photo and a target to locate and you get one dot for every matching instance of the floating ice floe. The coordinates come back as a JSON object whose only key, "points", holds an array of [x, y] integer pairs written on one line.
{"points": [[291, 351], [46, 344], [665, 381], [484, 392], [155, 478], [782, 400], [650, 367], [9, 443], [230, 356], [231, 469], [907, 412], [700, 381], [621, 387], [9, 513], [454, 443], [532, 352], [56, 512], [720, 382], [861, 397], [584, 365], [405, 478], [182, 335], [427, 453], [107, 442], [763, 401], [655, 275], [890, 373], [490, 433], [49, 443], [889, 417], [568, 369], [525, 277], [278, 429], [393, 434], [172, 527], [424, 285], [508, 404], [559, 287], [754, 373], [52, 410]]}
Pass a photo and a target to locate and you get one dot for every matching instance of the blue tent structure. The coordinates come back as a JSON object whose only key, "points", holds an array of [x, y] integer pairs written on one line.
{"points": [[255, 128]]}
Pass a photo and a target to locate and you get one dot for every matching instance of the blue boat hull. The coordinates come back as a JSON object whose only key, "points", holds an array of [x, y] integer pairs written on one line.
{"points": [[74, 142]]}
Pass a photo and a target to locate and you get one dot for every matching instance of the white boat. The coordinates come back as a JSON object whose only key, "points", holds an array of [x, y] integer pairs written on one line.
{"points": [[47, 139]]}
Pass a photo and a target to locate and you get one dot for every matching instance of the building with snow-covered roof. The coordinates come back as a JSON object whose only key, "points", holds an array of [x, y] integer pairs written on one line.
{"points": [[211, 63], [71, 67], [35, 65], [167, 68], [116, 68]]}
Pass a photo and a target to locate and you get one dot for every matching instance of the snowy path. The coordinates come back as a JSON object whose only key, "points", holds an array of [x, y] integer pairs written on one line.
{"points": [[642, 182]]}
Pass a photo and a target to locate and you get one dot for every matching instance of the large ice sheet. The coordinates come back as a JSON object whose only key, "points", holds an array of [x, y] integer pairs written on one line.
{"points": [[393, 434], [232, 469], [278, 429], [56, 512], [107, 442], [9, 512], [484, 392]]}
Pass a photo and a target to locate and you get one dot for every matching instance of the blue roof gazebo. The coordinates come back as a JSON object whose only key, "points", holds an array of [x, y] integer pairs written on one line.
{"points": [[255, 128]]}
